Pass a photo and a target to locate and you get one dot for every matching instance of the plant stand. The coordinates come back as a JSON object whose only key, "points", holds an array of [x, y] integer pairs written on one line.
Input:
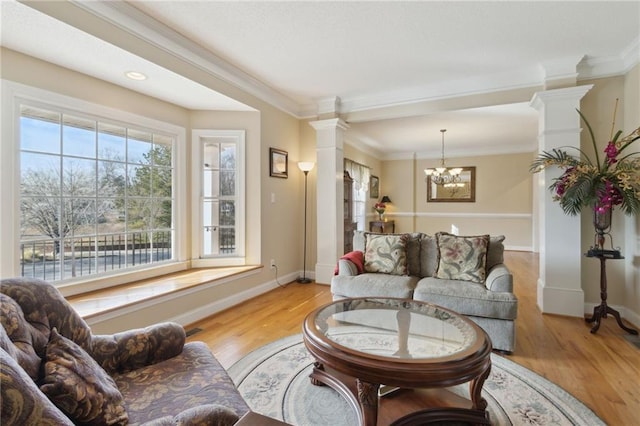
{"points": [[603, 309]]}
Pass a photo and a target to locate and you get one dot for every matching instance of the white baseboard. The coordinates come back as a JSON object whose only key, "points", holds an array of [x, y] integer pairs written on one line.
{"points": [[518, 248], [324, 272], [204, 311], [561, 301], [103, 325]]}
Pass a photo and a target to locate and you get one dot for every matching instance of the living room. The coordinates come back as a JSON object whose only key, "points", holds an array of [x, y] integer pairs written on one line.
{"points": [[506, 199]]}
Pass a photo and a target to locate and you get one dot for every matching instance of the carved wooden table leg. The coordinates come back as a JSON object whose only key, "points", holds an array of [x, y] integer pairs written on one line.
{"points": [[317, 367], [368, 399], [603, 309], [616, 315], [597, 315], [475, 389]]}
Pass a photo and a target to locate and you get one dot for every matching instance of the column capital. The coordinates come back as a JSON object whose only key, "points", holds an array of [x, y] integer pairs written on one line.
{"points": [[566, 94], [330, 123]]}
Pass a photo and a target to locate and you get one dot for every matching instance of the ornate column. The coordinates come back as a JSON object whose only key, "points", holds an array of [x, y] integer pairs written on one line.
{"points": [[559, 284], [330, 194]]}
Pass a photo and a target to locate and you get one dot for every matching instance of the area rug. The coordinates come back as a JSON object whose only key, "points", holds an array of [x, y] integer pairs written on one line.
{"points": [[274, 380]]}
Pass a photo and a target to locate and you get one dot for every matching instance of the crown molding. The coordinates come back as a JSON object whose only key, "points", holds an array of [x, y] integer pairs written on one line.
{"points": [[571, 67], [611, 66], [631, 55], [471, 152], [601, 67], [149, 30], [512, 80]]}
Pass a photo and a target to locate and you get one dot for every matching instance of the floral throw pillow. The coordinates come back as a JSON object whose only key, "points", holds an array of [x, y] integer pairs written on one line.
{"points": [[79, 387], [462, 258], [386, 253]]}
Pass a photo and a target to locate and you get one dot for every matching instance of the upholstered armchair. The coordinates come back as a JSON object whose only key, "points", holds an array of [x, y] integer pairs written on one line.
{"points": [[55, 371]]}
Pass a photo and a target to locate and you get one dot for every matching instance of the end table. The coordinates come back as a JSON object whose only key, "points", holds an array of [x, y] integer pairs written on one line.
{"points": [[382, 226], [603, 309]]}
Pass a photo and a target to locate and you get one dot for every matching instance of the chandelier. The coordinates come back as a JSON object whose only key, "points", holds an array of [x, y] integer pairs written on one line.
{"points": [[443, 176]]}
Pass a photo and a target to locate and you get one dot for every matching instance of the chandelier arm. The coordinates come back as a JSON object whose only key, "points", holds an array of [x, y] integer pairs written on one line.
{"points": [[441, 175], [442, 161]]}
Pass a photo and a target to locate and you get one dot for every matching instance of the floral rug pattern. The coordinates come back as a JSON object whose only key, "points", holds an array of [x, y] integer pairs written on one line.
{"points": [[274, 380]]}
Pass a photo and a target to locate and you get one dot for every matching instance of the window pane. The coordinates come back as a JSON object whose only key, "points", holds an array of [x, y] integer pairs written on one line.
{"points": [[112, 142], [78, 137], [40, 174], [161, 214], [139, 213], [139, 178], [228, 157], [227, 213], [227, 240], [111, 179], [78, 255], [139, 147], [161, 183], [210, 154], [79, 177], [79, 216], [40, 217], [40, 130], [110, 217], [227, 183], [161, 155], [210, 241], [210, 213], [211, 183]]}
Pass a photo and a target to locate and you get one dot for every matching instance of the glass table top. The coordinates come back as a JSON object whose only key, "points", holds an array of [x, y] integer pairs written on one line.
{"points": [[395, 328]]}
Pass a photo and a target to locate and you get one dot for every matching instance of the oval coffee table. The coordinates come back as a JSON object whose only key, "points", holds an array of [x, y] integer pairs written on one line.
{"points": [[364, 347]]}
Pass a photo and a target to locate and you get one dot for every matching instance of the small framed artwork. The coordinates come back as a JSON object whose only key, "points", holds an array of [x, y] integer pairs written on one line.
{"points": [[374, 187], [278, 163]]}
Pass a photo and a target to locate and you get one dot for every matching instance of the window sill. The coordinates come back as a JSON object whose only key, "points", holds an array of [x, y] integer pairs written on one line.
{"points": [[99, 302]]}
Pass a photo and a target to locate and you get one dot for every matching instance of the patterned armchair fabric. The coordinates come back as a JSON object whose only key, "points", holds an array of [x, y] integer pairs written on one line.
{"points": [[161, 380]]}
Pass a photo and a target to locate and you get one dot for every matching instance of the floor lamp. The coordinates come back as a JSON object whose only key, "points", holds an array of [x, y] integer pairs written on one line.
{"points": [[306, 167]]}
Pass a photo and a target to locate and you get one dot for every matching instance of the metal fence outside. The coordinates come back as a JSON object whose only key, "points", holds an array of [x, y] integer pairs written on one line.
{"points": [[52, 260]]}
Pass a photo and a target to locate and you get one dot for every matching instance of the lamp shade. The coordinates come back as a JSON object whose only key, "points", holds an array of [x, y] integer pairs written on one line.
{"points": [[306, 166], [385, 199]]}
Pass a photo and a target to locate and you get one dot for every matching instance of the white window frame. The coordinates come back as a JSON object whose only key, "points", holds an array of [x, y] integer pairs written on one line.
{"points": [[198, 259], [13, 94]]}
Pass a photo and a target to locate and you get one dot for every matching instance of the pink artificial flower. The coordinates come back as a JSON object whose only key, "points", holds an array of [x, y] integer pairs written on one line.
{"points": [[608, 197], [612, 153], [562, 185]]}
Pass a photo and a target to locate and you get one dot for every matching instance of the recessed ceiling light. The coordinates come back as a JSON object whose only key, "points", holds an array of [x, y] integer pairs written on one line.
{"points": [[135, 75]]}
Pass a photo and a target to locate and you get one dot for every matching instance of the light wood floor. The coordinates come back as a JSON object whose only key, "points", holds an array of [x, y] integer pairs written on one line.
{"points": [[602, 370]]}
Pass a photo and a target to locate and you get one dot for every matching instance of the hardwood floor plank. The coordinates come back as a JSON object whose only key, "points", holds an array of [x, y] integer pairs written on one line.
{"points": [[602, 370]]}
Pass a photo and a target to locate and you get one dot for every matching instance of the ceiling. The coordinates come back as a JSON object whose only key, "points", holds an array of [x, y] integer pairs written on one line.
{"points": [[381, 56]]}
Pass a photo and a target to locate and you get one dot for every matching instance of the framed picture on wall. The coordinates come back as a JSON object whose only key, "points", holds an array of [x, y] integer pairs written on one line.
{"points": [[463, 191], [278, 163], [374, 187]]}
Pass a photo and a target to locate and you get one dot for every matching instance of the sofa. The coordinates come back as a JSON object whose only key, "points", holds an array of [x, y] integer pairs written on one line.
{"points": [[466, 274], [54, 371]]}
